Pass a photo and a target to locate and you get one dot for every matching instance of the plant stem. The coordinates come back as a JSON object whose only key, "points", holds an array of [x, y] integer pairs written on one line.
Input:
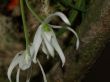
{"points": [[24, 25], [33, 13]]}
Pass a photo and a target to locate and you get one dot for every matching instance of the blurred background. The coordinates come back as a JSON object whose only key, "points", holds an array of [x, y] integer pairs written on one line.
{"points": [[12, 38]]}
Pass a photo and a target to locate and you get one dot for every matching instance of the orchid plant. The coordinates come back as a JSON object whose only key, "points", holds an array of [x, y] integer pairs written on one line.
{"points": [[44, 38]]}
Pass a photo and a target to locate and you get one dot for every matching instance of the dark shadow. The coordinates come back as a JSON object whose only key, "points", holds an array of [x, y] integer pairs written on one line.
{"points": [[100, 72]]}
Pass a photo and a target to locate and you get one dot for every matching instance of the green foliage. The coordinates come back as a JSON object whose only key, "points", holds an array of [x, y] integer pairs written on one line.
{"points": [[74, 8], [71, 6], [79, 6], [67, 2], [4, 1]]}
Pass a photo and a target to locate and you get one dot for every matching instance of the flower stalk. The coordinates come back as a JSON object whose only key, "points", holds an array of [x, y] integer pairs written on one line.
{"points": [[32, 11], [24, 26]]}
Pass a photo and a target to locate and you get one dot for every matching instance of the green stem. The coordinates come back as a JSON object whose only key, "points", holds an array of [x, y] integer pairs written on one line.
{"points": [[32, 11], [24, 24]]}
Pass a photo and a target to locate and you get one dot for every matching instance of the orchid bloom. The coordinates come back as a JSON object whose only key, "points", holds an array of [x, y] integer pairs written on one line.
{"points": [[23, 60], [19, 59], [46, 36]]}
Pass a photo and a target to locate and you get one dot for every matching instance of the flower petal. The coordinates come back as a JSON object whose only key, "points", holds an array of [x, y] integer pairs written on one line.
{"points": [[28, 79], [37, 42], [55, 26], [13, 64], [43, 73], [48, 35], [32, 51], [70, 29], [61, 15], [77, 42], [47, 42], [44, 49], [17, 76], [58, 49]]}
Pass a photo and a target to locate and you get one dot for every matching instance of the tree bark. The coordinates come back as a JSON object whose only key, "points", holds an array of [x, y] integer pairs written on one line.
{"points": [[94, 33]]}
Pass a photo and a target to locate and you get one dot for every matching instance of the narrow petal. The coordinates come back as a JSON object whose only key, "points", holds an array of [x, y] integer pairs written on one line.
{"points": [[28, 79], [70, 29], [17, 76], [77, 42], [37, 42], [47, 42], [61, 15], [48, 35], [58, 49], [44, 49], [43, 73], [13, 64], [32, 51], [55, 26]]}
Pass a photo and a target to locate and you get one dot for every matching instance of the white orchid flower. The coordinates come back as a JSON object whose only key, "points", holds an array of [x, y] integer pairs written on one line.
{"points": [[46, 37], [19, 59], [23, 60]]}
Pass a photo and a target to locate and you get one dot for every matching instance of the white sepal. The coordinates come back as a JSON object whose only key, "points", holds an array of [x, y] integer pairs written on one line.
{"points": [[58, 49], [77, 42], [72, 30], [47, 38], [37, 42], [13, 64], [44, 49], [17, 75], [61, 15], [43, 73]]}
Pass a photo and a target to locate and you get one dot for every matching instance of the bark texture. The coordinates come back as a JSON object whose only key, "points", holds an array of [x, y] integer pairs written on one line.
{"points": [[94, 33]]}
